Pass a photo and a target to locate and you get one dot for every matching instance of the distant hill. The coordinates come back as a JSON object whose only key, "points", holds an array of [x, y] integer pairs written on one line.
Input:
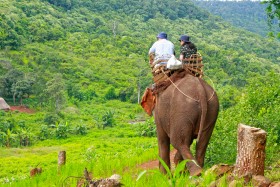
{"points": [[98, 49], [249, 15]]}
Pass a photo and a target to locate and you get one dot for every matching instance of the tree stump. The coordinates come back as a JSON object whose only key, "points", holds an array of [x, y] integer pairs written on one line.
{"points": [[250, 151], [61, 158]]}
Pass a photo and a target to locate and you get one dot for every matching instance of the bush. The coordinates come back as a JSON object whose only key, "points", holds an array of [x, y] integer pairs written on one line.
{"points": [[62, 131], [108, 119], [80, 129], [45, 132], [111, 94], [51, 118], [147, 129]]}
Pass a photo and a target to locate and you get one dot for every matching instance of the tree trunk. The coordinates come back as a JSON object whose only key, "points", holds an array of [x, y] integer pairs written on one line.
{"points": [[61, 158], [250, 151], [14, 98]]}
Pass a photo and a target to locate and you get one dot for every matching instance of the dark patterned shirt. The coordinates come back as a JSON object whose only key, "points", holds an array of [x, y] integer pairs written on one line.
{"points": [[188, 49]]}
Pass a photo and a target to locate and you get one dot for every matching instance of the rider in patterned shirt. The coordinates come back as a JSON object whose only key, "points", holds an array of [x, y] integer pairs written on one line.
{"points": [[187, 48]]}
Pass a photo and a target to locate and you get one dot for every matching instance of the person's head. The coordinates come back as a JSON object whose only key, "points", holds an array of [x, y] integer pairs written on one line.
{"points": [[184, 39], [162, 35]]}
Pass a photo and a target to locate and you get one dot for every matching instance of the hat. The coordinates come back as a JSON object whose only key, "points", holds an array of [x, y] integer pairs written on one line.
{"points": [[184, 38], [162, 35]]}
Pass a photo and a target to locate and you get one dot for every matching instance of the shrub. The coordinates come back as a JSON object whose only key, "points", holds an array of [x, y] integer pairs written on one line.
{"points": [[51, 118], [111, 94], [147, 129], [80, 129], [62, 131], [45, 132], [108, 119]]}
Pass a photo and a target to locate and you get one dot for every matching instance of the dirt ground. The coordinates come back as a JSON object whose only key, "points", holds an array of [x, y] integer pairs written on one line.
{"points": [[22, 109], [154, 163]]}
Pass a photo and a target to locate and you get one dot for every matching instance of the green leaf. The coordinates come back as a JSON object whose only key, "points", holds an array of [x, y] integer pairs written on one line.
{"points": [[141, 174]]}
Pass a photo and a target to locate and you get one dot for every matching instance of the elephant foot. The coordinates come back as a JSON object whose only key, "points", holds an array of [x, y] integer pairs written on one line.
{"points": [[194, 168]]}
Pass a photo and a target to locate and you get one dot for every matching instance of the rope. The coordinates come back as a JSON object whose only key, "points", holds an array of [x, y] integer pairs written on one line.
{"points": [[186, 94], [213, 85], [179, 88]]}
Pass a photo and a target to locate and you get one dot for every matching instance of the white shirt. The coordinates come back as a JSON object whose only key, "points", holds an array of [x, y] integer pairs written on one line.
{"points": [[162, 48]]}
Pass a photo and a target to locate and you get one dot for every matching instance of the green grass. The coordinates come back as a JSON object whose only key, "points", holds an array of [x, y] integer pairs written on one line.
{"points": [[103, 152], [116, 150]]}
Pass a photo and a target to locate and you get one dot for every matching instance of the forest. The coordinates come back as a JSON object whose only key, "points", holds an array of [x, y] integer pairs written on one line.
{"points": [[249, 15], [82, 67]]}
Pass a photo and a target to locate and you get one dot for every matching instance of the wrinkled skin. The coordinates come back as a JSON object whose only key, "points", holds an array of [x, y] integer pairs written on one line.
{"points": [[184, 116]]}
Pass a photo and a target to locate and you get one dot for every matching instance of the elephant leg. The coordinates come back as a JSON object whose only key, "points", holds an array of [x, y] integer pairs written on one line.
{"points": [[201, 146], [206, 133], [185, 154], [178, 158], [192, 165], [164, 148]]}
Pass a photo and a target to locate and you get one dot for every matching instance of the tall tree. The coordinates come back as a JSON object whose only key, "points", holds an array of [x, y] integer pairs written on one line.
{"points": [[273, 11], [55, 90], [8, 80], [21, 88]]}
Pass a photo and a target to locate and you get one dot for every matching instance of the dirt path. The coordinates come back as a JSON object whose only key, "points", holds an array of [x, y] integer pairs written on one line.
{"points": [[23, 109], [154, 163]]}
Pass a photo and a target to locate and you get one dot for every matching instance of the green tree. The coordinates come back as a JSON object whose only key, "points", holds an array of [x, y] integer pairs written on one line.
{"points": [[21, 88], [10, 79], [25, 136], [9, 137], [273, 11], [55, 91]]}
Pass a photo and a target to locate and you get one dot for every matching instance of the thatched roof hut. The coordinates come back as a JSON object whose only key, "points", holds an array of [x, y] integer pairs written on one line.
{"points": [[3, 104]]}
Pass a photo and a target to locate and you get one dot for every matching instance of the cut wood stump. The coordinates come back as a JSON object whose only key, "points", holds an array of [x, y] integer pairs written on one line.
{"points": [[35, 171], [61, 158], [250, 151]]}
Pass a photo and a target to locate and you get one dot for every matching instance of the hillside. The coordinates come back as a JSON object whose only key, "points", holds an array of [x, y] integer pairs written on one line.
{"points": [[249, 15], [82, 65], [83, 46]]}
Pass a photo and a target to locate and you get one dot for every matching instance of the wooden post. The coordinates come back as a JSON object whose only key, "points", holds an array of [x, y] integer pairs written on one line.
{"points": [[61, 158], [250, 151]]}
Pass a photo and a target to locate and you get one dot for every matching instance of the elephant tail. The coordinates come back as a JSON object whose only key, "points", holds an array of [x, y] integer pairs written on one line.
{"points": [[203, 105]]}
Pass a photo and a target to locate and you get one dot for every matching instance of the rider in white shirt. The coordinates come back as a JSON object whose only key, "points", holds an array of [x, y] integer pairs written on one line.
{"points": [[163, 49]]}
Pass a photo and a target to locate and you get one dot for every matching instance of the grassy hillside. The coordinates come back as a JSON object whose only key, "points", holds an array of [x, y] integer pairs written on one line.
{"points": [[81, 64]]}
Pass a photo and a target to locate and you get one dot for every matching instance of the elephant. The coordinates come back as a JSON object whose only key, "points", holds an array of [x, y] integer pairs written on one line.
{"points": [[186, 110]]}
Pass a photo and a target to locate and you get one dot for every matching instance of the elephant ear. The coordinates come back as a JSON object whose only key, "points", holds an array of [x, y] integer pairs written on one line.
{"points": [[148, 101]]}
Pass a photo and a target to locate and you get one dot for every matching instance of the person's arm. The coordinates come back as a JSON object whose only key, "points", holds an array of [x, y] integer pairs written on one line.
{"points": [[152, 54], [152, 49], [181, 57]]}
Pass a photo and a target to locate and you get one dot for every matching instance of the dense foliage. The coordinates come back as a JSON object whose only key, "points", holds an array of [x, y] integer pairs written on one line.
{"points": [[273, 12], [249, 15], [82, 66]]}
